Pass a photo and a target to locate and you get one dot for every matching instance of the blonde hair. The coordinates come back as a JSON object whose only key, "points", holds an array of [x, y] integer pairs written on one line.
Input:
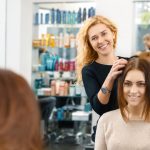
{"points": [[146, 41], [85, 52], [146, 37]]}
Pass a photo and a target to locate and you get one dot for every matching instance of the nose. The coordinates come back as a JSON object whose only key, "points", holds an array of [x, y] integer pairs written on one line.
{"points": [[100, 40], [133, 89]]}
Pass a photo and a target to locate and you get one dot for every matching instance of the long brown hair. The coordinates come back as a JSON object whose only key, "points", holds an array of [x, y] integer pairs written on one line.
{"points": [[19, 114], [144, 66], [86, 54]]}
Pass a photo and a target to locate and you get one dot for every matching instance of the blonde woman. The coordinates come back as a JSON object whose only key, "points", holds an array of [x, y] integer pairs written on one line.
{"points": [[146, 41], [97, 64]]}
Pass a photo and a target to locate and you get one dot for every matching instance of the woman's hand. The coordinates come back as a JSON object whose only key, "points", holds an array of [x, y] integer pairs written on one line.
{"points": [[117, 68]]}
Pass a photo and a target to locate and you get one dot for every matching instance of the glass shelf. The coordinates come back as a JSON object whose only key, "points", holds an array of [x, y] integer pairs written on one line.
{"points": [[42, 96], [58, 25], [55, 28]]}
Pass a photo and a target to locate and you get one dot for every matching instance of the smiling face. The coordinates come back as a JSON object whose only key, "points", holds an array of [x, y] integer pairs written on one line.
{"points": [[101, 39], [134, 88]]}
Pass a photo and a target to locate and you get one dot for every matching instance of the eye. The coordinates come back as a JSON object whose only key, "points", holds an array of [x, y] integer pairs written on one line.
{"points": [[127, 84], [103, 33], [93, 38], [141, 84]]}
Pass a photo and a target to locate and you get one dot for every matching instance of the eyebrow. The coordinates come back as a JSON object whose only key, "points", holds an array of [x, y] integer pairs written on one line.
{"points": [[136, 82], [99, 32]]}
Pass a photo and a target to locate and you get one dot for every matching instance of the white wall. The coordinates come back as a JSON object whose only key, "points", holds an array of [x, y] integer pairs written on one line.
{"points": [[2, 32], [19, 37], [26, 39], [13, 36], [120, 12]]}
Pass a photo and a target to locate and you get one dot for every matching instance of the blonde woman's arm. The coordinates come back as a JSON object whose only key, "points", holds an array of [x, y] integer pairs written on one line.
{"points": [[105, 91]]}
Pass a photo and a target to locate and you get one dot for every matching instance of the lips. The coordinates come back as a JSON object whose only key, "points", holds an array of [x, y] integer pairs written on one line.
{"points": [[133, 98], [103, 46]]}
